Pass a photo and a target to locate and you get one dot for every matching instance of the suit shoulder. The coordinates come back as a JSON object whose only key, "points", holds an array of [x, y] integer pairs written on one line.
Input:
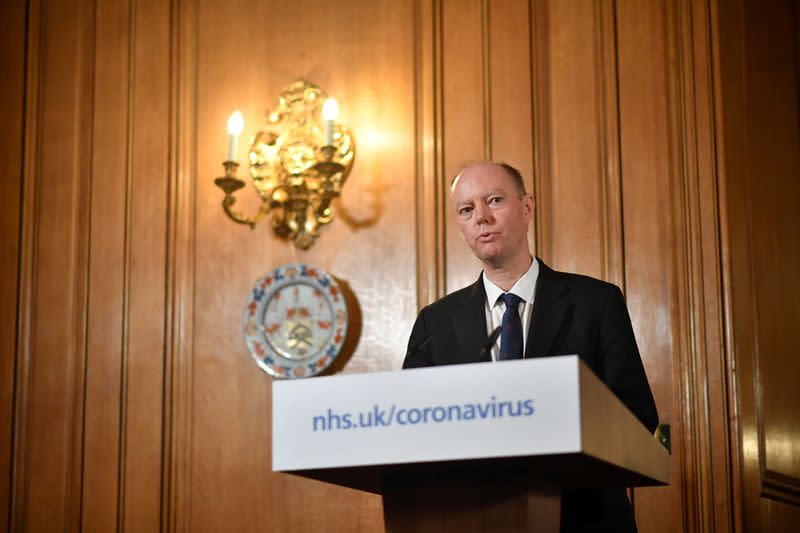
{"points": [[587, 285], [447, 303]]}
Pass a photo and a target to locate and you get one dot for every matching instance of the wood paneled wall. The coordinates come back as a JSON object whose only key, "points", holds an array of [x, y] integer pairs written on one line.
{"points": [[12, 94], [760, 123], [643, 129]]}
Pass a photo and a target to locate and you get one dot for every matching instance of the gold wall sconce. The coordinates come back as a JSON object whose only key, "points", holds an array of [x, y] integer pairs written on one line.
{"points": [[298, 163]]}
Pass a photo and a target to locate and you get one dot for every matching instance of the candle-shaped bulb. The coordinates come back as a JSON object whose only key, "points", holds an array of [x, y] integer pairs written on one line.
{"points": [[236, 123], [235, 127], [330, 110]]}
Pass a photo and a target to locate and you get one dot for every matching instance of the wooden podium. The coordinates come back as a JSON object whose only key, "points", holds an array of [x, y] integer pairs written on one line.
{"points": [[482, 447]]}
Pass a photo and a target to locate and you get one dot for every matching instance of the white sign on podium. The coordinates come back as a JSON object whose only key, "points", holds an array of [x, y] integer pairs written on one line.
{"points": [[519, 408]]}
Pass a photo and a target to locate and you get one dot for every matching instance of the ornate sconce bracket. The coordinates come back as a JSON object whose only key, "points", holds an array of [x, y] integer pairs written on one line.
{"points": [[299, 163]]}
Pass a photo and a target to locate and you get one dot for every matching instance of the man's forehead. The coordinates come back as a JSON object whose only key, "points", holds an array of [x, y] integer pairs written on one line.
{"points": [[493, 177], [480, 193]]}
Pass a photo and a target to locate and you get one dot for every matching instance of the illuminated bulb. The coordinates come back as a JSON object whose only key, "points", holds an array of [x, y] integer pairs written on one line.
{"points": [[235, 123], [330, 109], [235, 127]]}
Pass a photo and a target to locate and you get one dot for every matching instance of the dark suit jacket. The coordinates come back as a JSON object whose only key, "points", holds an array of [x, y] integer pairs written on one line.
{"points": [[572, 314]]}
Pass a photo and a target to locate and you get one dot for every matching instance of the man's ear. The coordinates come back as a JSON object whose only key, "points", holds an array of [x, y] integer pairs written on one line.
{"points": [[529, 204]]}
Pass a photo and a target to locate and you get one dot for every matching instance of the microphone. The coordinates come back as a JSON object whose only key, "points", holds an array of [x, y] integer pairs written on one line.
{"points": [[486, 351]]}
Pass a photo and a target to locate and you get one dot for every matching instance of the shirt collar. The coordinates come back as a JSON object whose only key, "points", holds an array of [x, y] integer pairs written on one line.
{"points": [[525, 287]]}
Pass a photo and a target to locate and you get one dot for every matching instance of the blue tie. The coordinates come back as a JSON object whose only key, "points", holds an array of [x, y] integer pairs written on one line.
{"points": [[511, 334]]}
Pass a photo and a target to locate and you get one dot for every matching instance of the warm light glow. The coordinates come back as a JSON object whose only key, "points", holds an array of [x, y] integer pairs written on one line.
{"points": [[330, 109], [235, 123], [298, 163], [373, 138]]}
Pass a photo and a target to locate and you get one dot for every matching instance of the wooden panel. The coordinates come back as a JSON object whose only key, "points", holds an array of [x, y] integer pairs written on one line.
{"points": [[698, 406], [431, 201], [19, 456], [509, 81], [578, 190], [774, 156], [107, 273], [761, 156], [179, 297], [648, 166], [146, 230], [486, 106], [540, 104], [702, 366], [12, 91], [509, 84], [374, 219], [466, 116], [50, 474]]}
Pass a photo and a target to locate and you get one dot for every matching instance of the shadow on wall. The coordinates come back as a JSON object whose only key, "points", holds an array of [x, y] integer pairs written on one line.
{"points": [[361, 207], [355, 325]]}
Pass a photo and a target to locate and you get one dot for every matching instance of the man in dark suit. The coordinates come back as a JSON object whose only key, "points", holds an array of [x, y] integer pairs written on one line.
{"points": [[543, 313]]}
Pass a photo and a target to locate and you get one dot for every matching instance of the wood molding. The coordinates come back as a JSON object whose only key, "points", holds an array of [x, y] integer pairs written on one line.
{"points": [[486, 68], [177, 493], [142, 406], [796, 23], [729, 375], [701, 389], [654, 175], [27, 273], [33, 435], [429, 142], [693, 512], [106, 312], [706, 374], [780, 487], [606, 72], [463, 119], [12, 114], [82, 206], [126, 272], [540, 119]]}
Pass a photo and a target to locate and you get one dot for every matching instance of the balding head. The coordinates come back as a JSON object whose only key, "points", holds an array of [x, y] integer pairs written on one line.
{"points": [[493, 212], [510, 171]]}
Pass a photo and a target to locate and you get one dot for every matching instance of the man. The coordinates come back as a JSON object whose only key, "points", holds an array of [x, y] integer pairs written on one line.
{"points": [[543, 313]]}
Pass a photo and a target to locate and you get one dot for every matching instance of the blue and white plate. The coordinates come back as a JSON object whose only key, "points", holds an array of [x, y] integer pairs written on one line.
{"points": [[295, 321]]}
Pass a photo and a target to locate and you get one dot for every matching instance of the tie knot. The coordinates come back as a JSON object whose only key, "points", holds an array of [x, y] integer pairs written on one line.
{"points": [[511, 300]]}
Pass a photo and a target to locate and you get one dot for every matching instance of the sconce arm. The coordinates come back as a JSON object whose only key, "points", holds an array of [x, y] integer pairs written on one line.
{"points": [[230, 184], [238, 216]]}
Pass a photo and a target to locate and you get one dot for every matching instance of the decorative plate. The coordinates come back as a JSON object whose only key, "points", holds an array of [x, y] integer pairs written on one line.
{"points": [[295, 321]]}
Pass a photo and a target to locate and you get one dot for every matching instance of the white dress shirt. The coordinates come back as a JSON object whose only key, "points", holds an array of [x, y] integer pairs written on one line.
{"points": [[525, 288]]}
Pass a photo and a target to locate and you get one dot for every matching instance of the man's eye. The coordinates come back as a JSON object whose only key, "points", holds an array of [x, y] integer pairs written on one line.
{"points": [[464, 210], [495, 199]]}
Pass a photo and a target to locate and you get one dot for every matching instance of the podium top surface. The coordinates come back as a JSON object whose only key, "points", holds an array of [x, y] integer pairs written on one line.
{"points": [[551, 417]]}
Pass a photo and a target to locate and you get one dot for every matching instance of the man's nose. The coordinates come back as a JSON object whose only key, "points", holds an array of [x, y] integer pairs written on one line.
{"points": [[483, 214]]}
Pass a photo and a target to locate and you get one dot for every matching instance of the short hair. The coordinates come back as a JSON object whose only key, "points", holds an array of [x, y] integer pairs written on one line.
{"points": [[510, 171], [515, 175]]}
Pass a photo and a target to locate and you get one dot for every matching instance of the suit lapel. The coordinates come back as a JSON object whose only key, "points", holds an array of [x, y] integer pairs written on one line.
{"points": [[549, 306], [469, 320]]}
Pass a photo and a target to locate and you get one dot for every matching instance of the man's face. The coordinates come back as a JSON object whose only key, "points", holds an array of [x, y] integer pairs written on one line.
{"points": [[492, 214]]}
